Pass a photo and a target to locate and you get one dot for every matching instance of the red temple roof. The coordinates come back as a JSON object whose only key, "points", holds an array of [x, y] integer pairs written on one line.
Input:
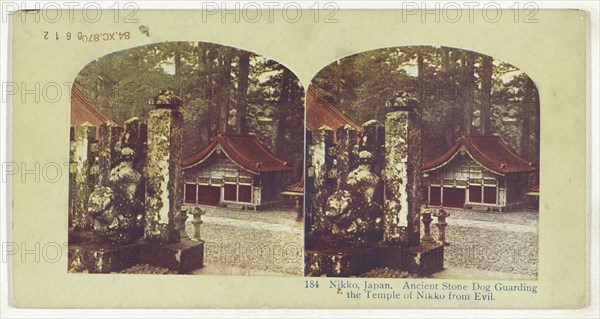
{"points": [[245, 150], [296, 188], [82, 110], [488, 151], [319, 112]]}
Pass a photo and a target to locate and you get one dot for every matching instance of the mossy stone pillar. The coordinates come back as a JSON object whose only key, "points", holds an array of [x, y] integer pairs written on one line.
{"points": [[108, 150], [401, 174], [83, 157], [163, 176], [319, 171]]}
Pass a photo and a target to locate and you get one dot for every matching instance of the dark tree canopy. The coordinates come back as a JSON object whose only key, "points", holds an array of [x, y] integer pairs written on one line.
{"points": [[459, 92], [223, 90]]}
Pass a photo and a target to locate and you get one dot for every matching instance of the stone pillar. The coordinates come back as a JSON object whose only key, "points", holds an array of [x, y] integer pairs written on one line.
{"points": [[84, 135], [163, 176], [414, 175], [135, 136], [345, 157], [402, 177], [372, 141], [320, 162], [108, 150]]}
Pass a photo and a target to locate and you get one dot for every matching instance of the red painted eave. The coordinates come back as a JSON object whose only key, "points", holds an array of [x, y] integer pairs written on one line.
{"points": [[244, 150], [83, 110], [319, 112], [487, 150]]}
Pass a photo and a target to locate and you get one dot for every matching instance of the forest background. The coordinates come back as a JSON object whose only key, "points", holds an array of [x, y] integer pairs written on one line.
{"points": [[460, 92], [224, 89]]}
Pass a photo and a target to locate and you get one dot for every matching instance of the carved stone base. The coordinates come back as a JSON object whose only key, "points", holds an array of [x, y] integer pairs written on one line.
{"points": [[423, 259], [183, 257], [102, 257], [333, 260], [341, 263], [84, 254]]}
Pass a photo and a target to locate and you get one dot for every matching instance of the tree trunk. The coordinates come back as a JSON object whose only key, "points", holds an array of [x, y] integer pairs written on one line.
{"points": [[525, 138], [486, 94], [242, 91], [224, 87], [530, 115], [177, 59], [421, 76], [204, 87], [468, 90], [282, 109], [213, 111]]}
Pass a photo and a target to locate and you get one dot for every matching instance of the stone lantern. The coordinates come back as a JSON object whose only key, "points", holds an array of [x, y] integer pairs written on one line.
{"points": [[427, 238], [441, 225]]}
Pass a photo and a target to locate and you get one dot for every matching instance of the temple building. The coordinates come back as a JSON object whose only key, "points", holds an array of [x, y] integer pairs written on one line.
{"points": [[319, 112], [478, 171], [83, 110], [233, 170]]}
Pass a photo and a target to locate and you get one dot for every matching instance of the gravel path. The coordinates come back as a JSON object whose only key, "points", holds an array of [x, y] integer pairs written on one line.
{"points": [[252, 243], [520, 228], [520, 217], [270, 243], [485, 245], [503, 245], [247, 243], [280, 215], [295, 228], [495, 250], [245, 249]]}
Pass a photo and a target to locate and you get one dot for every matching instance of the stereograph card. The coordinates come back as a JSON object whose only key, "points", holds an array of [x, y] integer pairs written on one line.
{"points": [[284, 158]]}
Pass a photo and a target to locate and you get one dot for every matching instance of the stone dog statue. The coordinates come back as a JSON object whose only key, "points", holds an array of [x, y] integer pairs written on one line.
{"points": [[354, 212], [115, 207]]}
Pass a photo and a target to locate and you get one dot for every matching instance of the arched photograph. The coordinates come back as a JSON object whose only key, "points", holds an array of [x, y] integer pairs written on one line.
{"points": [[422, 161], [185, 157]]}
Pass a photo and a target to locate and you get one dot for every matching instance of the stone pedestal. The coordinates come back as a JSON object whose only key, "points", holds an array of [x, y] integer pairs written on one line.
{"points": [[85, 255], [163, 176], [331, 260], [342, 262], [183, 257], [102, 258]]}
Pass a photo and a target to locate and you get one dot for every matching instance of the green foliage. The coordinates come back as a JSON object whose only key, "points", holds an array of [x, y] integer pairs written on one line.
{"points": [[448, 83], [205, 76]]}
